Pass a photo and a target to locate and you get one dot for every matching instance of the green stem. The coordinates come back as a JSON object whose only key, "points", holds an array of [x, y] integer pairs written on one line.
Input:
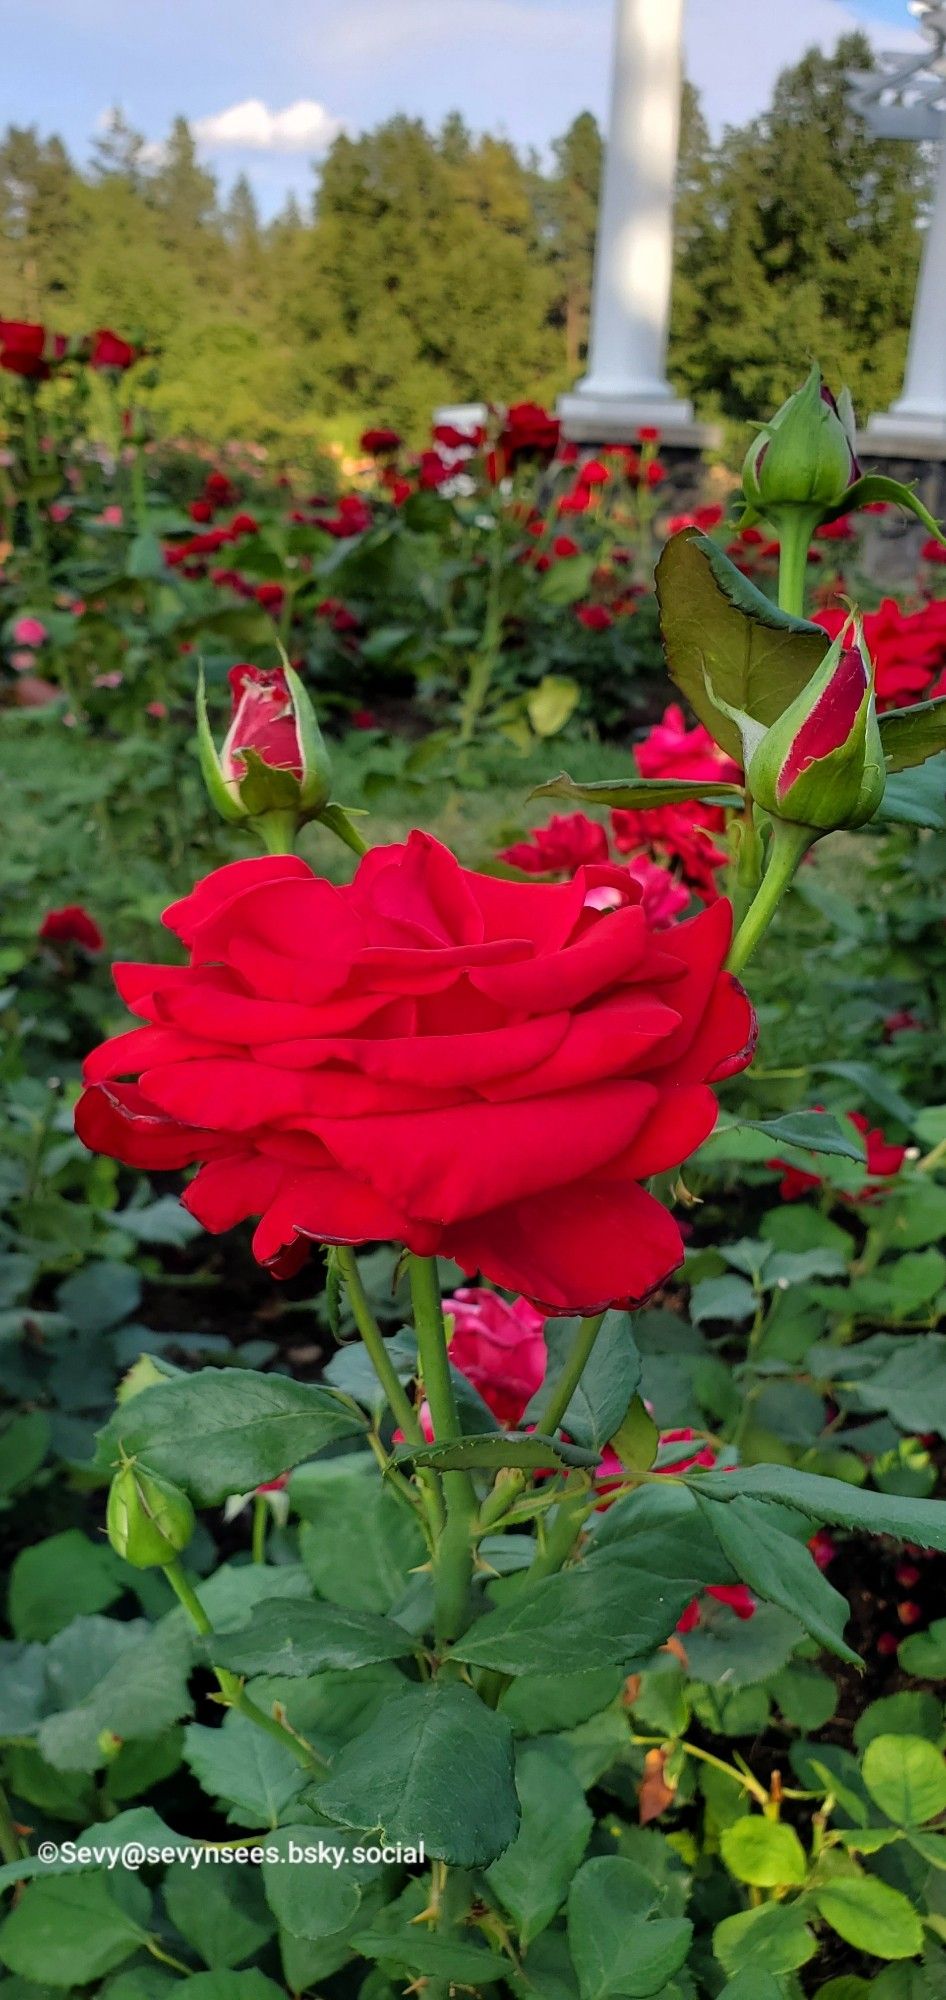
{"points": [[165, 1957], [260, 1518], [11, 1846], [789, 844], [231, 1686], [336, 819], [277, 830], [401, 1405], [39, 545], [483, 665], [453, 1558], [563, 1388], [509, 1485], [795, 527]]}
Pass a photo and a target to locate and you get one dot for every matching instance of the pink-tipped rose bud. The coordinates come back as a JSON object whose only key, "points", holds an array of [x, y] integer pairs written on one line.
{"points": [[273, 758], [821, 764]]}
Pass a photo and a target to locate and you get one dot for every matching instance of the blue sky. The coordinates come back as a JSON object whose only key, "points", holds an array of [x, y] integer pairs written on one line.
{"points": [[267, 88]]}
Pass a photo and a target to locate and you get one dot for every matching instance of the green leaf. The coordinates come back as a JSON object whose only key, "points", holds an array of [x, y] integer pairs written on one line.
{"points": [[806, 1697], [145, 558], [24, 1443], [608, 1382], [434, 1957], [637, 1439], [779, 1569], [911, 735], [753, 1985], [531, 1879], [774, 1938], [924, 1653], [765, 1852], [833, 1500], [249, 1985], [435, 1765], [611, 1609], [917, 797], [567, 580], [906, 1778], [639, 794], [871, 1916], [358, 1543], [550, 705], [728, 1298], [60, 1579], [99, 1296], [874, 486], [70, 1929], [220, 1912], [735, 1653], [293, 1638], [144, 1690], [813, 1131], [487, 1451], [251, 1772], [226, 1430], [912, 1712], [314, 1898], [543, 1704], [718, 627], [615, 1949]]}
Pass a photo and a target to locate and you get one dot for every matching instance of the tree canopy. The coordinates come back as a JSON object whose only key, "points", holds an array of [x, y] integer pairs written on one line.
{"points": [[434, 266]]}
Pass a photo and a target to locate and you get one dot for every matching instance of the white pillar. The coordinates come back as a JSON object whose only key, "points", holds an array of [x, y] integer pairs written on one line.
{"points": [[626, 384], [921, 410]]}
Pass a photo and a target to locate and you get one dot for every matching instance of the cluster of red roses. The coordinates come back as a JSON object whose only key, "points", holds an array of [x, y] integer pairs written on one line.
{"points": [[32, 351], [908, 649], [679, 837]]}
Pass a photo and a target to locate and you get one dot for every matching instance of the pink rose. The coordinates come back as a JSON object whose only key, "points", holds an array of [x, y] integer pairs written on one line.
{"points": [[499, 1347], [29, 632]]}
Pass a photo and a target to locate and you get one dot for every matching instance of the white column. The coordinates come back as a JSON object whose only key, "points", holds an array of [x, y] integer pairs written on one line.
{"points": [[921, 410], [626, 384]]}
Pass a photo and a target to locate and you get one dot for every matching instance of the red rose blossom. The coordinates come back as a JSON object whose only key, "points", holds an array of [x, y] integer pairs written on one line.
{"points": [[109, 350], [566, 843], [499, 1347], [380, 439], [29, 350], [481, 1069], [71, 925]]}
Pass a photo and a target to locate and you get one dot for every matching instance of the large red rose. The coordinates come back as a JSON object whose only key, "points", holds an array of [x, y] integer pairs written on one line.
{"points": [[480, 1068]]}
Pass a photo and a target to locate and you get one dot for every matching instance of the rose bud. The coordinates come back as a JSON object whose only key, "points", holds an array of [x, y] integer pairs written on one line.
{"points": [[148, 1520], [821, 765], [273, 766], [805, 456]]}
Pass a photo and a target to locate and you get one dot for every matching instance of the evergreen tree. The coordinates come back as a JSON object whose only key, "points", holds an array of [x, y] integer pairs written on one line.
{"points": [[579, 156], [807, 245]]}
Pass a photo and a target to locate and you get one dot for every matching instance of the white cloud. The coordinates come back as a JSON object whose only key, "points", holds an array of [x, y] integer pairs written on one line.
{"points": [[303, 127]]}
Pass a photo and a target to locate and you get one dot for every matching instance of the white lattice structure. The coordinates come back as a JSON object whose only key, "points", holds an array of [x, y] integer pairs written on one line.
{"points": [[905, 98]]}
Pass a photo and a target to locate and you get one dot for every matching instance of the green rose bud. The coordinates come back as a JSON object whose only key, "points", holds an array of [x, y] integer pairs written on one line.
{"points": [[821, 765], [805, 457], [149, 1521]]}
